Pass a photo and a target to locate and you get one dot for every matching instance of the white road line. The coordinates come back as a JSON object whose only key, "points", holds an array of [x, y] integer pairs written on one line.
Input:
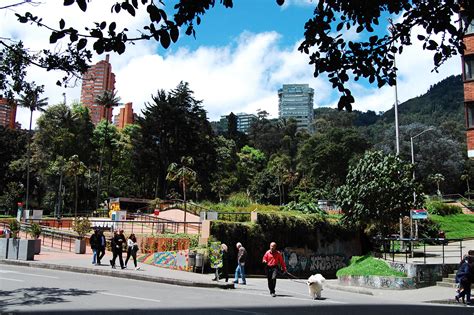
{"points": [[130, 297], [27, 274], [240, 311], [8, 279]]}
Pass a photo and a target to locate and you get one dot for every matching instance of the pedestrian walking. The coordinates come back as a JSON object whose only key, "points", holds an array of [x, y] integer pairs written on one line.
{"points": [[117, 248], [241, 258], [464, 276], [225, 264], [273, 261], [94, 243], [132, 249], [102, 246]]}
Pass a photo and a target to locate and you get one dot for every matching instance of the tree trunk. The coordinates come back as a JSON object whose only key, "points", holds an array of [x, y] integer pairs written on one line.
{"points": [[184, 196]]}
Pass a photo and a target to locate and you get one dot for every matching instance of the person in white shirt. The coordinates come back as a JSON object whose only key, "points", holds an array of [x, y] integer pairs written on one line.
{"points": [[132, 249]]}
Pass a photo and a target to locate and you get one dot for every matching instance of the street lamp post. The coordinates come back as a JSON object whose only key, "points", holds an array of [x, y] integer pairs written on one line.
{"points": [[413, 163]]}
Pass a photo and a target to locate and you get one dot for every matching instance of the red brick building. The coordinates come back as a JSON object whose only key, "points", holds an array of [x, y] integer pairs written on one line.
{"points": [[96, 80], [125, 116], [7, 114]]}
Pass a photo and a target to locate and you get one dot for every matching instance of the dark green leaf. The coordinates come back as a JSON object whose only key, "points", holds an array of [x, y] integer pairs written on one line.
{"points": [[81, 44], [68, 2], [82, 5], [165, 39], [62, 24]]}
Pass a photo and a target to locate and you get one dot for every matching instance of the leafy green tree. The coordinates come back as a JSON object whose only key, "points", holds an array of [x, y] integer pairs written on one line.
{"points": [[12, 143], [265, 135], [107, 100], [10, 196], [251, 161], [325, 157], [175, 125], [378, 189], [437, 178], [31, 100], [280, 166], [224, 178], [183, 174], [75, 168]]}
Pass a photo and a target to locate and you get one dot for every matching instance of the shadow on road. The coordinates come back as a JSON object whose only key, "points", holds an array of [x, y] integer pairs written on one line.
{"points": [[316, 309], [37, 296]]}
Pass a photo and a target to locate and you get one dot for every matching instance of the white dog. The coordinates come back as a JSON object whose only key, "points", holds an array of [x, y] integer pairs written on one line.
{"points": [[315, 285]]}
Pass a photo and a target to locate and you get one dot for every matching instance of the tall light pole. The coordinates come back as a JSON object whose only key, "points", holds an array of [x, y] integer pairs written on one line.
{"points": [[413, 163]]}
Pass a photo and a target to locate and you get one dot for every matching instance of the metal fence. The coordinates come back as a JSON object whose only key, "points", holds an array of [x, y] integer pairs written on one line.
{"points": [[435, 250]]}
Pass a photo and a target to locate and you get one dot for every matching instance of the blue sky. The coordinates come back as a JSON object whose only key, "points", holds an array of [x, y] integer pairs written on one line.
{"points": [[238, 61]]}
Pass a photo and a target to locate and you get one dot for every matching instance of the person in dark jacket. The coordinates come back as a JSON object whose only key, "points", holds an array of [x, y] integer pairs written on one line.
{"points": [[94, 243], [225, 263], [241, 258], [102, 246], [464, 277], [117, 248]]}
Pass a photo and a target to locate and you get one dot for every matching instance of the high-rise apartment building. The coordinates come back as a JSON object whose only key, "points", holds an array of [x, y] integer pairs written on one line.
{"points": [[96, 80], [468, 77], [7, 114], [296, 101], [124, 117]]}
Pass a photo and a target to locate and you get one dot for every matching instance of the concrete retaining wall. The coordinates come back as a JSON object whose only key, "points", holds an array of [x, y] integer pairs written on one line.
{"points": [[379, 282]]}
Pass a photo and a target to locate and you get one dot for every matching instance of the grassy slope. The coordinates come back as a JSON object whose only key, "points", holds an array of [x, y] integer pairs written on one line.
{"points": [[456, 226], [368, 266]]}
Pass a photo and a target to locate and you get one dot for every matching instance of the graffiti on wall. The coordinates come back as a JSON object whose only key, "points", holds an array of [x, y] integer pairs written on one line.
{"points": [[300, 261], [173, 260]]}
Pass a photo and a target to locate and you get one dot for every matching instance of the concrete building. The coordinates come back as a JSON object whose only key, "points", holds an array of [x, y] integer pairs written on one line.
{"points": [[7, 114], [125, 116], [95, 81], [296, 101], [244, 121]]}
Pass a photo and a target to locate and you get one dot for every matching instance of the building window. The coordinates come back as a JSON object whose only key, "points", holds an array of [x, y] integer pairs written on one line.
{"points": [[470, 27], [470, 115], [468, 67]]}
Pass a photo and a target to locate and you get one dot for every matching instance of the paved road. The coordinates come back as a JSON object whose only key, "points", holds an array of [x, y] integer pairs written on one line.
{"points": [[34, 290]]}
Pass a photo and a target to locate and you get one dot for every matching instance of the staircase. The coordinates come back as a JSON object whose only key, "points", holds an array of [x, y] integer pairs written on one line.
{"points": [[449, 281]]}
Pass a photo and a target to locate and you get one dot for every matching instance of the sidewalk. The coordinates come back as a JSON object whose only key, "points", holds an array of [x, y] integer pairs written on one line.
{"points": [[51, 258]]}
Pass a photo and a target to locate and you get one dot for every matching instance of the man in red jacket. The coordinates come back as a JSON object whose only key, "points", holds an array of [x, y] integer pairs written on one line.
{"points": [[273, 260]]}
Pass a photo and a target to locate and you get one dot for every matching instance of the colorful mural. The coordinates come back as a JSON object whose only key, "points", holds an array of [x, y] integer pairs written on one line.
{"points": [[178, 260]]}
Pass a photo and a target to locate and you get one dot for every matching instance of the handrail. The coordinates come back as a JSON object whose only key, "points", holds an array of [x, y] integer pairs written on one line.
{"points": [[386, 245]]}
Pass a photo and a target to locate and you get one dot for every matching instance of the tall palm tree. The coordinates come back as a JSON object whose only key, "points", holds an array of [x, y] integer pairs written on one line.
{"points": [[185, 175], [31, 100], [107, 100]]}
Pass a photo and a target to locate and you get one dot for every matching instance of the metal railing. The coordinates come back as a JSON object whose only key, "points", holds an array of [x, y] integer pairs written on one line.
{"points": [[147, 225], [432, 249]]}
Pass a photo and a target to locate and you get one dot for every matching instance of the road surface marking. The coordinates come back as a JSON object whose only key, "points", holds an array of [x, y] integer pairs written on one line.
{"points": [[1, 278], [130, 297], [240, 311], [27, 274]]}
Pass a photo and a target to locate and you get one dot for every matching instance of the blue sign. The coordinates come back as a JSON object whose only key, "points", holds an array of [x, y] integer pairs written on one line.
{"points": [[419, 214]]}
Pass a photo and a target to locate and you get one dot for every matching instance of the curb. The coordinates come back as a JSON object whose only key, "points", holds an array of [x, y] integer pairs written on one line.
{"points": [[358, 290], [111, 273]]}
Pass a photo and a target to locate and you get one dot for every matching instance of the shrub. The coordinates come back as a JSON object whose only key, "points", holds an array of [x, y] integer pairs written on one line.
{"points": [[368, 266], [14, 227], [35, 230], [239, 200], [81, 226], [441, 208], [304, 207]]}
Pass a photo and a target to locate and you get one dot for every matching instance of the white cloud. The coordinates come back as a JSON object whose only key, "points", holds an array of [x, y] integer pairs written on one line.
{"points": [[242, 76]]}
